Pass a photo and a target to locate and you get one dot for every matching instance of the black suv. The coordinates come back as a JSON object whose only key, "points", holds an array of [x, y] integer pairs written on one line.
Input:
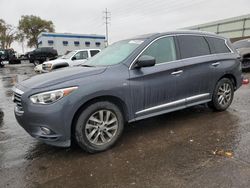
{"points": [[8, 55], [243, 47], [40, 55]]}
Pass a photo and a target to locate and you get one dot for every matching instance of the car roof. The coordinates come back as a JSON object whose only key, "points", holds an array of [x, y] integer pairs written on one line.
{"points": [[178, 32], [87, 49]]}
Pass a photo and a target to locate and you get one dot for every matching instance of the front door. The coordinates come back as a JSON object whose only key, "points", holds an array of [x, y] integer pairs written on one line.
{"points": [[79, 58], [160, 82]]}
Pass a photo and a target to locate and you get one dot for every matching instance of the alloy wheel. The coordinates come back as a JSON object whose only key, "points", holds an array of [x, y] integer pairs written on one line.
{"points": [[101, 127], [224, 94]]}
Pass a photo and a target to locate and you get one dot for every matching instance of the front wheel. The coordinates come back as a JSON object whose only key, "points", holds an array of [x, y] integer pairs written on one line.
{"points": [[99, 126], [36, 62], [223, 95]]}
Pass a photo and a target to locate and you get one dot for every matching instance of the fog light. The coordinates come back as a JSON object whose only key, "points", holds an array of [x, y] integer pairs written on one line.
{"points": [[45, 130]]}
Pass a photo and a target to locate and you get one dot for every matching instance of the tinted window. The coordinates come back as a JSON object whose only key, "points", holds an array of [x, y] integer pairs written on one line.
{"points": [[163, 50], [192, 46], [93, 52], [217, 45]]}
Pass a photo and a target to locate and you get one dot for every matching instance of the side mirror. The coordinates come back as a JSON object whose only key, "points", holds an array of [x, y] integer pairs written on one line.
{"points": [[145, 61], [73, 58]]}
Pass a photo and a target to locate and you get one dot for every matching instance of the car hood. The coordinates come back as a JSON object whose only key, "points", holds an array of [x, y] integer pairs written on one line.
{"points": [[60, 76], [56, 61]]}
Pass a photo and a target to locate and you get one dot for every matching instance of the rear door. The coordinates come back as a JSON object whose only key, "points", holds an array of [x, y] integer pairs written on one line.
{"points": [[198, 65], [224, 58]]}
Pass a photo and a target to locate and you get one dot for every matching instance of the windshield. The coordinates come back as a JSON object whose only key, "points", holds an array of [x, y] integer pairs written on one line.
{"points": [[69, 55], [115, 53]]}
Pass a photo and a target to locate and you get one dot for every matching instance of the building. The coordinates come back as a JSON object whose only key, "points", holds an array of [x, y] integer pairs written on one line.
{"points": [[235, 28], [64, 42]]}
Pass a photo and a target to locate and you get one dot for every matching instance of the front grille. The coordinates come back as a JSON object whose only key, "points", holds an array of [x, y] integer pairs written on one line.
{"points": [[17, 99]]}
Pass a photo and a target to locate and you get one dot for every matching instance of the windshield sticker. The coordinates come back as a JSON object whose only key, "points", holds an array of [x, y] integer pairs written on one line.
{"points": [[135, 42]]}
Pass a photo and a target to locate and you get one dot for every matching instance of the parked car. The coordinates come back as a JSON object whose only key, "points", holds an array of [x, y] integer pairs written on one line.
{"points": [[39, 55], [8, 56], [243, 47], [128, 81], [2, 58], [73, 58]]}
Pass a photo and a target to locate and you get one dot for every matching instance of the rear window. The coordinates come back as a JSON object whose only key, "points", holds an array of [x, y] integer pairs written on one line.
{"points": [[192, 46], [217, 45], [93, 52]]}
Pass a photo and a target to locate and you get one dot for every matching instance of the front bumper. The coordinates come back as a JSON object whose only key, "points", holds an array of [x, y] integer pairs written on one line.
{"points": [[43, 122]]}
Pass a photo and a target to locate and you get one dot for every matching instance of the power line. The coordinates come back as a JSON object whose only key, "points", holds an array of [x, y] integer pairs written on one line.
{"points": [[107, 17]]}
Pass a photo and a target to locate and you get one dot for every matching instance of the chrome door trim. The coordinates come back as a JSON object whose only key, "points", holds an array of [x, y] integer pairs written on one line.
{"points": [[177, 72], [162, 106], [195, 97], [216, 64]]}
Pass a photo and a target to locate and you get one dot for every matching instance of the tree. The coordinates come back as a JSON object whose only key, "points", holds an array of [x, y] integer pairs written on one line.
{"points": [[31, 26], [7, 34]]}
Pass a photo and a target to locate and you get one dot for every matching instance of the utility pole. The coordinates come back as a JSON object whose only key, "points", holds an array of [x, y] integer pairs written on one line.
{"points": [[107, 17]]}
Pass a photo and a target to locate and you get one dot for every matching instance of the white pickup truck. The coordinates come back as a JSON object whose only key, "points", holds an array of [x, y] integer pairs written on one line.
{"points": [[73, 58]]}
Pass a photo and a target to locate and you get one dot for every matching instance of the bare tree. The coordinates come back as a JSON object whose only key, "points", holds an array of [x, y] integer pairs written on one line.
{"points": [[7, 34]]}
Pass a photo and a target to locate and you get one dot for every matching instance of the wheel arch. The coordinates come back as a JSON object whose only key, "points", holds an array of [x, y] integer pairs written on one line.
{"points": [[113, 99], [230, 77]]}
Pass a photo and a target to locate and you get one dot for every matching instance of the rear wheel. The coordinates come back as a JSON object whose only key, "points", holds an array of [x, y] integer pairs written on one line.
{"points": [[223, 95], [99, 126]]}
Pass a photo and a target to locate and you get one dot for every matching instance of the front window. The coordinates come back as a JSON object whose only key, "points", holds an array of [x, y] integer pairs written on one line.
{"points": [[163, 50], [81, 55], [115, 53]]}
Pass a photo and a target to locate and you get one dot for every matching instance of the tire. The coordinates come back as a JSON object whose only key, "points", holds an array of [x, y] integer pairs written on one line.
{"points": [[223, 95], [92, 128], [36, 62]]}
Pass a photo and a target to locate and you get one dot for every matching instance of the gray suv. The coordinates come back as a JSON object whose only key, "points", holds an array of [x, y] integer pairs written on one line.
{"points": [[130, 80]]}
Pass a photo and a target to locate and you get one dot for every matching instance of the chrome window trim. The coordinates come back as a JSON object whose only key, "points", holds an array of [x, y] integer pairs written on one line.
{"points": [[173, 103], [172, 35]]}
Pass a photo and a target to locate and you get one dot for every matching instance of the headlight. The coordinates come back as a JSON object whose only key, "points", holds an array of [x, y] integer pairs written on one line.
{"points": [[51, 96], [47, 66]]}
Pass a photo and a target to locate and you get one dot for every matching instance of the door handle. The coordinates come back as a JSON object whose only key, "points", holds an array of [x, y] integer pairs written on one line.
{"points": [[216, 64], [177, 72]]}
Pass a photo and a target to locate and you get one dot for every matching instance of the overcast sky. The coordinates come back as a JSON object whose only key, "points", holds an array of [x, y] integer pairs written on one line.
{"points": [[128, 17]]}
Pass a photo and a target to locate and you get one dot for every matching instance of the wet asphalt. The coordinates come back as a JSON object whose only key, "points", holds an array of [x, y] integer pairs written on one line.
{"points": [[195, 147]]}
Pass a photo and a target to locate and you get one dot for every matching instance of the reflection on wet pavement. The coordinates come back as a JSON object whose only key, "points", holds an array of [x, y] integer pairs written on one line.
{"points": [[173, 150]]}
